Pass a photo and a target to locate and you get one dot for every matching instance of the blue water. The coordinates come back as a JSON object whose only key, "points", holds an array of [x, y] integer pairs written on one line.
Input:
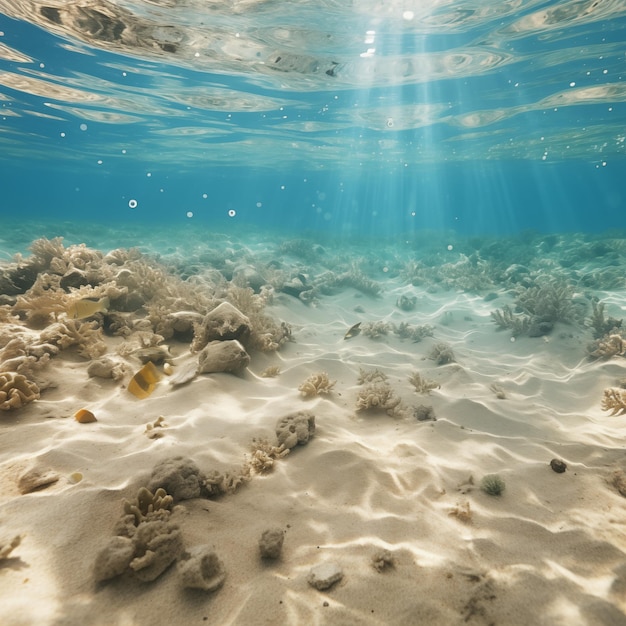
{"points": [[379, 119]]}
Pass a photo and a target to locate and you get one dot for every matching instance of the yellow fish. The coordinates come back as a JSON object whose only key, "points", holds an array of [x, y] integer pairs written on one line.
{"points": [[86, 307], [142, 384]]}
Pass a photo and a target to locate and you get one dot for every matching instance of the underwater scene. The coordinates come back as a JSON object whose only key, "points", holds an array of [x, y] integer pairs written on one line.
{"points": [[312, 313]]}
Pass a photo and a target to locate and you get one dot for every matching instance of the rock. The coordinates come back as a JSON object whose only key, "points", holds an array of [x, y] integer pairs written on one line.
{"points": [[73, 278], [324, 576], [223, 356], [202, 569], [157, 545], [558, 465], [225, 322], [271, 543], [295, 429], [35, 479]]}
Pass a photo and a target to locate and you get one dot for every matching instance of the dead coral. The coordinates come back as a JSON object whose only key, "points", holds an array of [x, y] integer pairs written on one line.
{"points": [[607, 347], [441, 353], [148, 505], [614, 400], [316, 384], [22, 353], [376, 330], [462, 512], [378, 395], [16, 391], [263, 455], [86, 336], [415, 333], [423, 385], [370, 376], [217, 483]]}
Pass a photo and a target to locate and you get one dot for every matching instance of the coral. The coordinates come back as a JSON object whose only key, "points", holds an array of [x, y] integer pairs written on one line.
{"points": [[218, 484], [492, 485], [547, 303], [148, 505], [316, 384], [157, 545], [370, 376], [506, 319], [295, 429], [16, 391], [179, 477], [441, 353], [201, 568], [614, 400], [22, 353], [375, 330], [462, 512], [43, 302], [383, 560], [415, 333], [154, 430], [223, 356], [602, 325], [423, 385], [424, 413], [271, 543], [356, 279], [106, 367], [607, 346], [86, 336], [378, 395], [114, 559], [264, 454], [271, 371]]}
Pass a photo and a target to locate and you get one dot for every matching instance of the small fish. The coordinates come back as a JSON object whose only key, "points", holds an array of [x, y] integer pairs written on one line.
{"points": [[86, 307], [353, 331], [142, 384]]}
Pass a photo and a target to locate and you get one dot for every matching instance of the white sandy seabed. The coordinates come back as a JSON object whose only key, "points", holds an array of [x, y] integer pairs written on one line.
{"points": [[551, 549]]}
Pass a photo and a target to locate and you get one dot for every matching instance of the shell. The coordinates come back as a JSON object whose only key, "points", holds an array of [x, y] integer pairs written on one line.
{"points": [[84, 416]]}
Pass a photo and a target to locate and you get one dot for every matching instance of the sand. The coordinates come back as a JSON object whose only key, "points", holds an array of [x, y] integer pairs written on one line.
{"points": [[551, 549]]}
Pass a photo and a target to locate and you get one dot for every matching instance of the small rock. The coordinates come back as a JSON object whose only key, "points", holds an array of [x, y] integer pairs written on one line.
{"points": [[558, 465], [324, 576], [35, 479], [271, 543]]}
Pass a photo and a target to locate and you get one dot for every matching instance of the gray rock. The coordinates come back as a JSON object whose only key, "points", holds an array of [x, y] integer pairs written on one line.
{"points": [[223, 356]]}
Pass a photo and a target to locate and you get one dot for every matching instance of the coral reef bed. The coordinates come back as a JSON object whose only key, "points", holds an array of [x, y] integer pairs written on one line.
{"points": [[313, 478]]}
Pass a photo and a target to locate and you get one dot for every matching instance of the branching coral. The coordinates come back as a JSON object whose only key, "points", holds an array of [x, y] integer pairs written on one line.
{"points": [[370, 376], [441, 353], [549, 302], [415, 333], [22, 354], [16, 391], [602, 325], [423, 385], [86, 336], [614, 400], [506, 319], [263, 455], [375, 330], [378, 395], [316, 384], [148, 505]]}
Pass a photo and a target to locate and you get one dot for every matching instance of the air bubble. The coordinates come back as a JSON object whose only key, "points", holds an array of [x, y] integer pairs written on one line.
{"points": [[232, 213], [189, 213], [83, 126], [132, 203], [450, 247]]}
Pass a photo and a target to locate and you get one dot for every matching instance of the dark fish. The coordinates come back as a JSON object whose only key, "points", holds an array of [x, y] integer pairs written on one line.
{"points": [[353, 331]]}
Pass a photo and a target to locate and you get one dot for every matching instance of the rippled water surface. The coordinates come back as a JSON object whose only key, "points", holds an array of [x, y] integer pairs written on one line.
{"points": [[365, 88]]}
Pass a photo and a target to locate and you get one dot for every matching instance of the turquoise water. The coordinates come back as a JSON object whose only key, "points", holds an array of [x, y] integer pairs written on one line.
{"points": [[346, 118]]}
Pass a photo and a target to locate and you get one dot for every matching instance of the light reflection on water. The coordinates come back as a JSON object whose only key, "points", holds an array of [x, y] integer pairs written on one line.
{"points": [[388, 82]]}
